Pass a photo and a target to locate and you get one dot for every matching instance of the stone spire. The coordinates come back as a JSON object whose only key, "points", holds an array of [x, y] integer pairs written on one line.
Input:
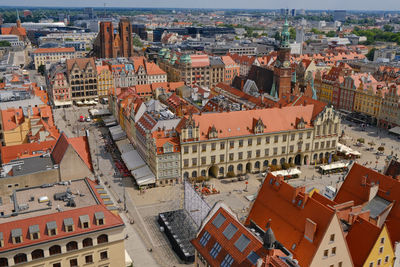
{"points": [[269, 237], [18, 20], [285, 34]]}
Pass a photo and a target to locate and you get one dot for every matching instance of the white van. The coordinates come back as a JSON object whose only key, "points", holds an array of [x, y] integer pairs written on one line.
{"points": [[330, 192]]}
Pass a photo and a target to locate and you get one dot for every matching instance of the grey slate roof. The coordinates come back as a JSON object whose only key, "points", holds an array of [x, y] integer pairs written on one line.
{"points": [[376, 206], [51, 225], [99, 215], [68, 221], [34, 229], [84, 218], [16, 232]]}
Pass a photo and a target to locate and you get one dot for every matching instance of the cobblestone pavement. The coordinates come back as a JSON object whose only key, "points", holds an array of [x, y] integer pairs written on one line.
{"points": [[144, 207]]}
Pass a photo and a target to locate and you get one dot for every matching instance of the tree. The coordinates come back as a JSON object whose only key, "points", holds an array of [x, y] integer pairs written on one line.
{"points": [[277, 36], [41, 69], [388, 28], [292, 32], [5, 44], [370, 54], [331, 34], [361, 140], [137, 42], [381, 149]]}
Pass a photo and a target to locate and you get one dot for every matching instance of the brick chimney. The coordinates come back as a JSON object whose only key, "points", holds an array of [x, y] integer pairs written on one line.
{"points": [[309, 230]]}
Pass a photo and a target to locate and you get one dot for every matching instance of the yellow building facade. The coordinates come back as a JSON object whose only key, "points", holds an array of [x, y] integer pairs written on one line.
{"points": [[368, 100], [105, 81], [382, 253]]}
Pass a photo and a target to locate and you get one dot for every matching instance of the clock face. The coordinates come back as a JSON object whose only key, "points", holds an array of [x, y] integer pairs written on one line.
{"points": [[286, 64]]}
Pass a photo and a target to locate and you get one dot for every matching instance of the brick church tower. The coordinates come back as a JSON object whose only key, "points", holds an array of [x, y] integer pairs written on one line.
{"points": [[106, 40], [111, 45], [125, 36], [282, 69]]}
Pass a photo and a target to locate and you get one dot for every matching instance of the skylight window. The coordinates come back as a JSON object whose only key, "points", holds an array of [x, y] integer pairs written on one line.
{"points": [[204, 239], [229, 231], [215, 250], [219, 220], [242, 243]]}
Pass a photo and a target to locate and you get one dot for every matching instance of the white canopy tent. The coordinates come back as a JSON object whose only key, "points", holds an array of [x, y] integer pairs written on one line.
{"points": [[132, 160], [395, 130], [333, 166], [286, 173], [347, 150], [117, 133]]}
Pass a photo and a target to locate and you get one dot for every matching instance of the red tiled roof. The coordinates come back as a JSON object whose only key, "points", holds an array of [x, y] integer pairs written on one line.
{"points": [[54, 50], [240, 123], [288, 208], [60, 148], [228, 246], [9, 153], [361, 238], [81, 146], [357, 186], [111, 220], [81, 63], [153, 69], [20, 31]]}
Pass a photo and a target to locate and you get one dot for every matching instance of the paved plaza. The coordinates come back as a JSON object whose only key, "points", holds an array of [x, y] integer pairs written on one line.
{"points": [[146, 244]]}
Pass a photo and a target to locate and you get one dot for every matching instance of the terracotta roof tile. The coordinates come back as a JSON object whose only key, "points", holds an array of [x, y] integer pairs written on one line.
{"points": [[54, 50]]}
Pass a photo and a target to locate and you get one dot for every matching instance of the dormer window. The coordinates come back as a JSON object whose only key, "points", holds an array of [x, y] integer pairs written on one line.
{"points": [[34, 232], [84, 221], [99, 217], [16, 235], [69, 225], [259, 127], [51, 228]]}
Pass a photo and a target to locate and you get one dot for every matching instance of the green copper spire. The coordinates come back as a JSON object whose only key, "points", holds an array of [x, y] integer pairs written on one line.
{"points": [[285, 34]]}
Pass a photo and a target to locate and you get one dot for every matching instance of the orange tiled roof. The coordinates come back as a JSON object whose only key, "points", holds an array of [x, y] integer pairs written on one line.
{"points": [[111, 220], [240, 123], [14, 117], [360, 240], [81, 62], [54, 50], [9, 153], [357, 186], [288, 208], [154, 69], [20, 31]]}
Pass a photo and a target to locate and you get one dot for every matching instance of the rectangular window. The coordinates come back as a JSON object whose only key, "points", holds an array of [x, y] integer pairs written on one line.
{"points": [[322, 145], [292, 136], [215, 250], [222, 145], [89, 259], [386, 259], [328, 144], [316, 145], [379, 262], [230, 156], [283, 149], [206, 236], [258, 153], [232, 144], [266, 152], [284, 138], [259, 141], [73, 262], [203, 147], [221, 158], [203, 160], [267, 140], [326, 253], [194, 148], [276, 139], [382, 240], [248, 154], [332, 238], [380, 250], [308, 135], [213, 146], [185, 149], [333, 251], [291, 148], [194, 161], [240, 143], [300, 136], [58, 264], [103, 255], [230, 231], [185, 162], [212, 159], [250, 142], [227, 262], [240, 155]]}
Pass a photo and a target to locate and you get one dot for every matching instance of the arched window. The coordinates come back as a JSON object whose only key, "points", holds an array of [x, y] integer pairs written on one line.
{"points": [[194, 174], [203, 172], [87, 242], [257, 165], [274, 162], [282, 161], [3, 262], [240, 167], [56, 249], [230, 168], [102, 239], [73, 245], [266, 163], [221, 170], [20, 258], [186, 175], [37, 254]]}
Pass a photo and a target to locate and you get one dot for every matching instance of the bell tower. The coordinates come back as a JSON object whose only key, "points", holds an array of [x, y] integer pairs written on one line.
{"points": [[282, 69]]}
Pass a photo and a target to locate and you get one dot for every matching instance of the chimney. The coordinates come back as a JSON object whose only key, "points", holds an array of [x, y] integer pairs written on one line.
{"points": [[310, 229], [373, 190]]}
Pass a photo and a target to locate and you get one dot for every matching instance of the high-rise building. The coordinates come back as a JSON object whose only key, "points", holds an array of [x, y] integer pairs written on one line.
{"points": [[339, 15], [140, 30], [293, 12], [110, 45]]}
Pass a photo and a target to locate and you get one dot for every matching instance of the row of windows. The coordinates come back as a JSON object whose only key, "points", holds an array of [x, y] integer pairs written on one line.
{"points": [[56, 249]]}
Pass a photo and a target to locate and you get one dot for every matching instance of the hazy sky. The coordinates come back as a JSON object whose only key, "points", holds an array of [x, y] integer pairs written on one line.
{"points": [[262, 4]]}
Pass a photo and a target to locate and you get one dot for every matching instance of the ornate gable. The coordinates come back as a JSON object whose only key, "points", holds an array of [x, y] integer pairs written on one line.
{"points": [[258, 126]]}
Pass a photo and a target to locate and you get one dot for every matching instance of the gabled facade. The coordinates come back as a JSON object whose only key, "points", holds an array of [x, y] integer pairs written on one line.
{"points": [[389, 113], [308, 229], [82, 77]]}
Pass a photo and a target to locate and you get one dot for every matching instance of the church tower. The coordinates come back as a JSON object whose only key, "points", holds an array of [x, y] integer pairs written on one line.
{"points": [[18, 20], [282, 69]]}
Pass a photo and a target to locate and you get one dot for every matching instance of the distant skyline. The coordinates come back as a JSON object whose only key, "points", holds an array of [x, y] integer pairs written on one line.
{"points": [[226, 4]]}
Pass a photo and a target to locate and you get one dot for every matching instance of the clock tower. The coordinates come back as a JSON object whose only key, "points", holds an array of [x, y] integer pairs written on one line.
{"points": [[282, 69]]}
